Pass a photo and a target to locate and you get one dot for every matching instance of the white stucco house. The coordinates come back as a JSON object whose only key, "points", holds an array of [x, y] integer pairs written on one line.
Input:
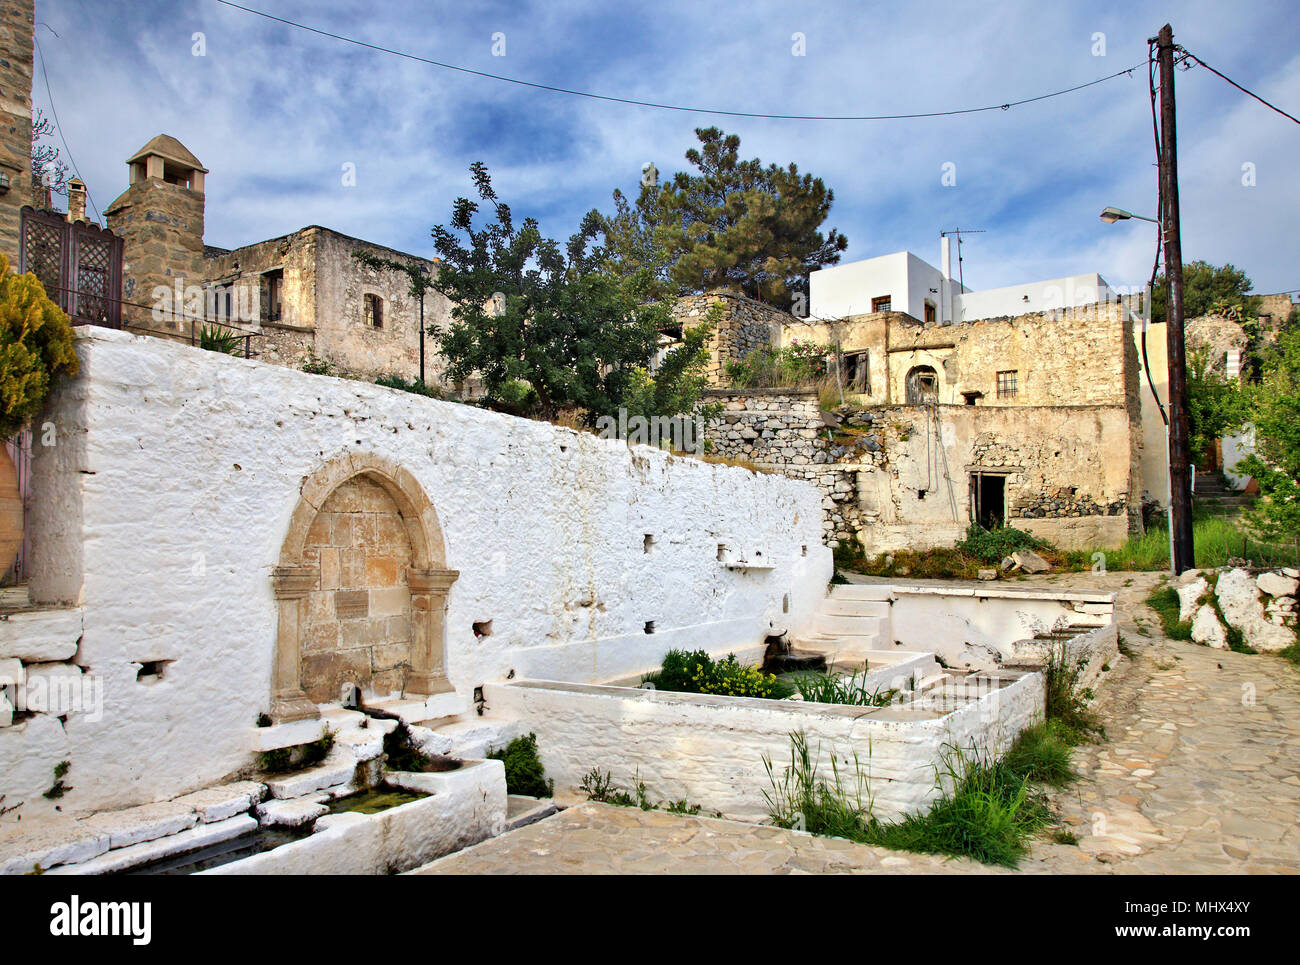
{"points": [[902, 282]]}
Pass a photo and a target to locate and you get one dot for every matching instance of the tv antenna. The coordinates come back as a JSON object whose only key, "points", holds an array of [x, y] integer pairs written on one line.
{"points": [[959, 232]]}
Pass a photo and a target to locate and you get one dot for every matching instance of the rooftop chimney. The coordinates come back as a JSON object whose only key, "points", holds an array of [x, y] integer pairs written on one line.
{"points": [[76, 200]]}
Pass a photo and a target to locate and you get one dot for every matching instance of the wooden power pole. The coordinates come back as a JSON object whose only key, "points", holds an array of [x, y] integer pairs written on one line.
{"points": [[1180, 483]]}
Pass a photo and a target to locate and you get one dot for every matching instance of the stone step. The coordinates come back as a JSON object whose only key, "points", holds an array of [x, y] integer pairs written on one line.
{"points": [[123, 859], [860, 591], [855, 608], [419, 710], [836, 623], [521, 810], [337, 769]]}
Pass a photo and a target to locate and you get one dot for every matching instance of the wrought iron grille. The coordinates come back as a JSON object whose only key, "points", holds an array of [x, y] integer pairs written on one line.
{"points": [[79, 264]]}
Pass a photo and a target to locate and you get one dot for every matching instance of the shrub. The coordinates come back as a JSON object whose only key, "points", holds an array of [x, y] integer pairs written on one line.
{"points": [[798, 364], [313, 364], [213, 339], [992, 545], [415, 386], [698, 673], [602, 789], [35, 347], [524, 771]]}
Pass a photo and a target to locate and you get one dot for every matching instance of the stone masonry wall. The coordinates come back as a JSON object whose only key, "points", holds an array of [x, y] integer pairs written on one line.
{"points": [[322, 305], [746, 324], [899, 476], [16, 24], [782, 431]]}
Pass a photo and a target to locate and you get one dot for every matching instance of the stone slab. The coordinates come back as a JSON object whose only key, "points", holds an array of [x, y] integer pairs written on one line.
{"points": [[124, 859], [40, 636], [134, 825]]}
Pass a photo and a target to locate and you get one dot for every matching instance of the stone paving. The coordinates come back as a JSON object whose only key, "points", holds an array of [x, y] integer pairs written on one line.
{"points": [[604, 839], [1199, 774]]}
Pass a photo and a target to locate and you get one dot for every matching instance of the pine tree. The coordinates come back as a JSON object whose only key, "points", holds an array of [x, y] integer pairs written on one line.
{"points": [[731, 223]]}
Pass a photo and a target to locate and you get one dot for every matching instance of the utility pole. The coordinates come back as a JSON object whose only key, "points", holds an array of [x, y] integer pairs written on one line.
{"points": [[1180, 483]]}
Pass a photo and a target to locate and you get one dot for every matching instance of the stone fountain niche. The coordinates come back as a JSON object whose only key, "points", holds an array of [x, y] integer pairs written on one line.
{"points": [[362, 589]]}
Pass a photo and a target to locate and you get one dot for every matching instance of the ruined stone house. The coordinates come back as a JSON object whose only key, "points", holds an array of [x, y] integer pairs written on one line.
{"points": [[1033, 419]]}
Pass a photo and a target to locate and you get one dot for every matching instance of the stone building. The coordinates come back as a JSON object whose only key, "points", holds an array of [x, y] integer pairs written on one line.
{"points": [[1034, 420], [745, 324], [298, 298]]}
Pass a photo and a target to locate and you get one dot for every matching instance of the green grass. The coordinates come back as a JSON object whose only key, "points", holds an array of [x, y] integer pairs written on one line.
{"points": [[988, 809], [826, 688], [990, 814], [1164, 600], [1291, 653], [1216, 540], [1042, 754]]}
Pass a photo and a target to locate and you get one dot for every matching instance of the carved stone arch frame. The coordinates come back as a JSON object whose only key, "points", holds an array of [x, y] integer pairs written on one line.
{"points": [[296, 576]]}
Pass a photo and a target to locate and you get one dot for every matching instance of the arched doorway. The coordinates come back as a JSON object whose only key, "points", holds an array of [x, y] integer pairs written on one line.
{"points": [[922, 385], [362, 589]]}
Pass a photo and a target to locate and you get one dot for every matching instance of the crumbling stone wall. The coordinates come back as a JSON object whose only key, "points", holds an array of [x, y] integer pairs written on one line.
{"points": [[1077, 357], [782, 431], [745, 325], [322, 305], [898, 477]]}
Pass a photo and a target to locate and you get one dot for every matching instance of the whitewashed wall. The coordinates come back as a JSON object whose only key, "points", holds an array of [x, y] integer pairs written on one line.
{"points": [[710, 749], [162, 508]]}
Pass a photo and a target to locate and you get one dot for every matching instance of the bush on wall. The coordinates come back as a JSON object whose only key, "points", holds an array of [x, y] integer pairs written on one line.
{"points": [[35, 346]]}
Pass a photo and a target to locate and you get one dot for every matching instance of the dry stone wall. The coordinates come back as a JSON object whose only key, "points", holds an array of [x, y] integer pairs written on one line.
{"points": [[745, 325]]}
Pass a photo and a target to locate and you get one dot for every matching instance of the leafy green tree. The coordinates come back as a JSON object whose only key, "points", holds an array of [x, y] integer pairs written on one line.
{"points": [[1275, 464], [35, 348], [730, 223], [1209, 290], [543, 327], [1216, 406], [677, 385]]}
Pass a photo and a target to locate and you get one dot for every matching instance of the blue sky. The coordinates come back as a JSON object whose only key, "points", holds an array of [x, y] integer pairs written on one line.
{"points": [[276, 113]]}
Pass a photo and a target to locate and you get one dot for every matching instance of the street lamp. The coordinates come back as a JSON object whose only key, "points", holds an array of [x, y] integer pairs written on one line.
{"points": [[1110, 215]]}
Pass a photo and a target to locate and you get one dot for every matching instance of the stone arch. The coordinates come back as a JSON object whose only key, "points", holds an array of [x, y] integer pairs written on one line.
{"points": [[922, 385], [299, 581]]}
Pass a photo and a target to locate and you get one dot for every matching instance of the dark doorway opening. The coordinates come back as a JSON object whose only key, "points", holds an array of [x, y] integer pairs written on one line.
{"points": [[989, 499]]}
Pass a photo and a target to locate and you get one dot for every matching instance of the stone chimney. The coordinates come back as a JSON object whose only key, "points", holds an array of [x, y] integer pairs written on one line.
{"points": [[159, 218], [76, 200]]}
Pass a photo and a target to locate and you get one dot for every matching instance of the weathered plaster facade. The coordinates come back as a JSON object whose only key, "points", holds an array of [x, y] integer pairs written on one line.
{"points": [[906, 477], [1083, 356]]}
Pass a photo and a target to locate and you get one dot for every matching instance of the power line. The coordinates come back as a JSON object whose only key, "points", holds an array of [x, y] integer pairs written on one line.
{"points": [[673, 107], [59, 127], [1191, 56]]}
